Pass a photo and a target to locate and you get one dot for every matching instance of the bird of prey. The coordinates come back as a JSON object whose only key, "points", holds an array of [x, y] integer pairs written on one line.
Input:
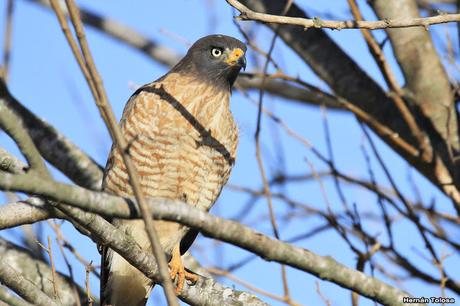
{"points": [[182, 139]]}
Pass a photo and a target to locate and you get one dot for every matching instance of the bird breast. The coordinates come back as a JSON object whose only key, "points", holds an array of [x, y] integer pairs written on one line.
{"points": [[182, 139]]}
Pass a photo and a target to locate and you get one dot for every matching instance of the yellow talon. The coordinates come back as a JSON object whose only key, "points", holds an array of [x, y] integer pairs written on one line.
{"points": [[178, 272]]}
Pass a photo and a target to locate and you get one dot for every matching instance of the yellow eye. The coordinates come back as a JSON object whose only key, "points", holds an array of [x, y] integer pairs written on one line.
{"points": [[216, 52]]}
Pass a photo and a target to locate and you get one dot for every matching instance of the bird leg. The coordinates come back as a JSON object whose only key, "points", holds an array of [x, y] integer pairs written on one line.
{"points": [[177, 270]]}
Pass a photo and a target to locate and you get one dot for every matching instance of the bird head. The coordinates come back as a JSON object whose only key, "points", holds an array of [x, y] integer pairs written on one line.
{"points": [[215, 58]]}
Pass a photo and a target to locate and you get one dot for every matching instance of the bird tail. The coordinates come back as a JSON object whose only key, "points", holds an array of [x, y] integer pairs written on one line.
{"points": [[105, 269], [130, 289]]}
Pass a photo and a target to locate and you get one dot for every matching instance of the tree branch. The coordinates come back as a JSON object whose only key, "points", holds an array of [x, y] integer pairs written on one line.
{"points": [[168, 57], [12, 300], [232, 232], [35, 209], [39, 273], [55, 147], [24, 212], [248, 14], [349, 81], [427, 83], [27, 290], [13, 126]]}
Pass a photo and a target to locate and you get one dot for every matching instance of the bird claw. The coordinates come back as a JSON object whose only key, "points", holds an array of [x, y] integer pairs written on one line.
{"points": [[178, 273]]}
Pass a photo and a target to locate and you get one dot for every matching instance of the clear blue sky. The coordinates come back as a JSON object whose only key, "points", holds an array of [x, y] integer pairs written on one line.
{"points": [[44, 77]]}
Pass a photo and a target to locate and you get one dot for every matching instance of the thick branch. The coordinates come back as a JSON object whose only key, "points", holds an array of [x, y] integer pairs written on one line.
{"points": [[24, 212], [26, 289], [55, 147], [40, 274], [12, 124], [425, 76], [274, 250], [10, 299], [35, 209], [348, 80]]}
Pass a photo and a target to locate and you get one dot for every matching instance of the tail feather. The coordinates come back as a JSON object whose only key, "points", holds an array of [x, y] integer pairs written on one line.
{"points": [[121, 283], [105, 269]]}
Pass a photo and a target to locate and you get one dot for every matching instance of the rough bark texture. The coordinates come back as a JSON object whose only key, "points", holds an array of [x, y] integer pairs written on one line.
{"points": [[424, 74], [7, 298], [39, 273]]}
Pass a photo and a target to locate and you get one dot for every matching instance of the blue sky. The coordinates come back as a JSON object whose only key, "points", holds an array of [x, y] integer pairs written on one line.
{"points": [[44, 77]]}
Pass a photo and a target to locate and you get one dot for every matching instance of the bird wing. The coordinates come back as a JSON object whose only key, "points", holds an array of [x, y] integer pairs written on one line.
{"points": [[182, 139]]}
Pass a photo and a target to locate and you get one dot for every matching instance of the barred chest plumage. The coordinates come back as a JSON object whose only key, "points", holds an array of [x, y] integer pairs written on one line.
{"points": [[183, 147]]}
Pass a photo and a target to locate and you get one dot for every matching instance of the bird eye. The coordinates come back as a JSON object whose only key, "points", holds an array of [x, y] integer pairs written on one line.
{"points": [[216, 52]]}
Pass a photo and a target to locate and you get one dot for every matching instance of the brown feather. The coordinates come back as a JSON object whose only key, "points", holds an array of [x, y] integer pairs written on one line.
{"points": [[182, 139]]}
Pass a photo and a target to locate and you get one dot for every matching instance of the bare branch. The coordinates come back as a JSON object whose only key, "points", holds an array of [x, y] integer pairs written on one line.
{"points": [[13, 126], [38, 273], [218, 228], [12, 300], [11, 163], [285, 90], [35, 209], [248, 14], [7, 40], [15, 281], [55, 147], [169, 57], [349, 81]]}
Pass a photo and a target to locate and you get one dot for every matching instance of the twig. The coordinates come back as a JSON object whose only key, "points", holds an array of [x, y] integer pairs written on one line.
{"points": [[64, 243], [248, 14], [331, 163], [23, 287], [409, 210], [259, 154], [49, 251], [321, 295], [385, 216], [60, 242], [390, 79], [100, 97], [7, 40], [88, 269], [362, 259], [381, 129], [249, 286]]}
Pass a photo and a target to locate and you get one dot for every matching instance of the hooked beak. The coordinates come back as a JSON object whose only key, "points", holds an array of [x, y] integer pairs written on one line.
{"points": [[236, 57]]}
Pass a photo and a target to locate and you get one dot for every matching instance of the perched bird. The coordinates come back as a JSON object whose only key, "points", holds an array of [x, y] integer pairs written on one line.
{"points": [[182, 139]]}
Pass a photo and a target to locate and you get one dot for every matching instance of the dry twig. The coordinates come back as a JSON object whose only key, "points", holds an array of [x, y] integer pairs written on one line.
{"points": [[7, 40], [248, 14]]}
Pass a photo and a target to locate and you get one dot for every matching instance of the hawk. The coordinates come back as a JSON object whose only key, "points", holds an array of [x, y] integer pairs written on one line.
{"points": [[182, 139]]}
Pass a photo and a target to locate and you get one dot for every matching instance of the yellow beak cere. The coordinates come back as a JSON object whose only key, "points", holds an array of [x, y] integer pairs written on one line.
{"points": [[234, 55]]}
